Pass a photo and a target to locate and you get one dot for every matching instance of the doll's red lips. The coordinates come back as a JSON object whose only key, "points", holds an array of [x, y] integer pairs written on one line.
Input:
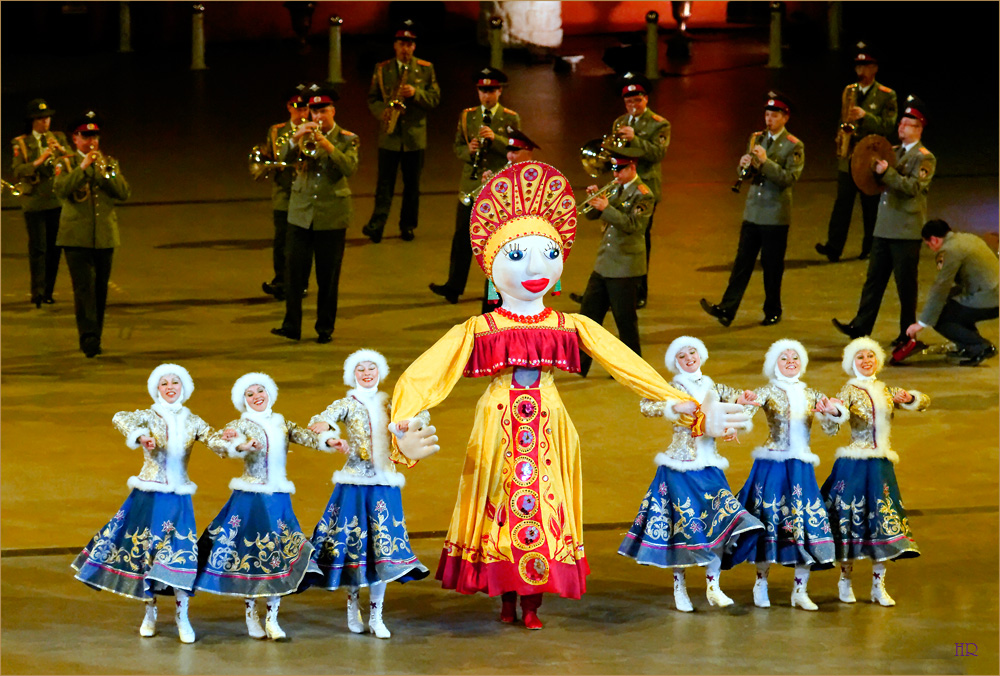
{"points": [[536, 285]]}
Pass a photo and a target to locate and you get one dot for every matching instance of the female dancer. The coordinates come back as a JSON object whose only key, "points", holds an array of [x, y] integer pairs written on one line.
{"points": [[517, 526], [781, 490], [689, 516], [361, 541], [148, 547], [254, 548], [862, 498]]}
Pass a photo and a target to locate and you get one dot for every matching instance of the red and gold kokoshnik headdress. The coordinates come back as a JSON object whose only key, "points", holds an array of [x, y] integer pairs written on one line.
{"points": [[527, 198]]}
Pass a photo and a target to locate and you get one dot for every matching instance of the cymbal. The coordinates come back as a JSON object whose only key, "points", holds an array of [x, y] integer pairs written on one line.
{"points": [[869, 150]]}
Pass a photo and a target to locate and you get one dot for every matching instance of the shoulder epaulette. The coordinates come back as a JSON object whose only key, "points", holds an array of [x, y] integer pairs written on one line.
{"points": [[421, 62], [885, 89], [924, 150], [644, 189], [509, 111], [22, 137], [469, 110], [793, 139], [659, 118], [277, 125], [347, 133], [383, 64]]}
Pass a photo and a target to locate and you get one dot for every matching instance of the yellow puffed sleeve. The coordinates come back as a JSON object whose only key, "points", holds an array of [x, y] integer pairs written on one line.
{"points": [[630, 369], [431, 377]]}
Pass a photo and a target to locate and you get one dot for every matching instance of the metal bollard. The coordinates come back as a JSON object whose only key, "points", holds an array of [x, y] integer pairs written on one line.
{"points": [[496, 43], [125, 28], [336, 75], [774, 57], [835, 22], [652, 44], [198, 38]]}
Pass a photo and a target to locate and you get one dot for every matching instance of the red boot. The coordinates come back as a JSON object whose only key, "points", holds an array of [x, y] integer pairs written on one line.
{"points": [[508, 610], [529, 610]]}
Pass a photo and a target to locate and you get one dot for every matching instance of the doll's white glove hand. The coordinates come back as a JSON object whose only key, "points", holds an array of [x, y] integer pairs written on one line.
{"points": [[721, 419], [419, 442]]}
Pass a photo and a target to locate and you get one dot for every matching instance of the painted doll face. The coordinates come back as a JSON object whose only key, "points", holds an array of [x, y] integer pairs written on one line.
{"points": [[789, 364], [256, 398], [527, 267], [688, 359], [366, 374], [865, 362], [170, 388]]}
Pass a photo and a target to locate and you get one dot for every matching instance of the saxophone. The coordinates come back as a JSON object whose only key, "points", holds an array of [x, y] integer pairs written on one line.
{"points": [[395, 107], [845, 133]]}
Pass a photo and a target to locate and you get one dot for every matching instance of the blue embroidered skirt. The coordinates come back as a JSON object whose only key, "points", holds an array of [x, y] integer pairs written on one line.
{"points": [[254, 548], [362, 539], [147, 548], [689, 519], [866, 511], [784, 496]]}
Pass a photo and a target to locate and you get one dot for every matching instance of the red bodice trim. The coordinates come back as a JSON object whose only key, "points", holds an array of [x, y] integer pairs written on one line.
{"points": [[523, 345]]}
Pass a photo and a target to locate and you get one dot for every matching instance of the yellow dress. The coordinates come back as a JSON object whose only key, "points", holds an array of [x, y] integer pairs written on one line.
{"points": [[518, 521]]}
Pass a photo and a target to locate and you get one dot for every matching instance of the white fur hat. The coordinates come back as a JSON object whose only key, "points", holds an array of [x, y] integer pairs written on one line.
{"points": [[855, 346], [245, 381], [187, 385], [356, 358], [679, 343], [779, 346]]}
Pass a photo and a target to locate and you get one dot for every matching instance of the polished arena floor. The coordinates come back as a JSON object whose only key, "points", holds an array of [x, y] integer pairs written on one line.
{"points": [[186, 288]]}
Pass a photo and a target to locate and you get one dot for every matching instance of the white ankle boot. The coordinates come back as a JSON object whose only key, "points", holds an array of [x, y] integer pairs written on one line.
{"points": [[354, 621], [184, 630], [375, 623], [879, 594], [253, 620], [844, 588], [800, 597], [760, 598], [148, 626], [271, 626], [681, 599], [714, 594]]}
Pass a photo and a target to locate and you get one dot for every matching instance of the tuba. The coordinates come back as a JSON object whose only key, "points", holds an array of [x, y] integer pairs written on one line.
{"points": [[595, 158], [749, 172], [845, 132], [395, 107]]}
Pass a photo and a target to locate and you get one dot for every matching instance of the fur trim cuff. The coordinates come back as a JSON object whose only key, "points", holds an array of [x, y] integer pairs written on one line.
{"points": [[700, 462], [866, 454], [762, 453], [915, 404], [324, 436], [669, 414], [188, 488], [273, 486], [380, 479], [132, 441]]}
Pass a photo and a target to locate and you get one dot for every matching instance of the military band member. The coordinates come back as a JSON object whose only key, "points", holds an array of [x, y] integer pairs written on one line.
{"points": [[319, 211], [902, 211], [279, 135], [874, 112], [411, 82], [89, 184], [776, 161], [621, 259], [35, 156], [641, 128], [964, 291], [481, 145]]}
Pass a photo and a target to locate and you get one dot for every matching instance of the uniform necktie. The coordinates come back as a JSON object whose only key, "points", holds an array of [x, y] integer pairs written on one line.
{"points": [[487, 119], [768, 141]]}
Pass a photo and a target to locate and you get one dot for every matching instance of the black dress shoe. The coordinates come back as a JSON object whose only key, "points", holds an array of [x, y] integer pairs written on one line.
{"points": [[280, 331], [846, 329], [276, 290], [373, 233], [49, 300], [576, 298], [325, 337], [37, 300], [406, 234], [771, 320], [641, 303], [824, 250], [978, 359], [444, 291], [716, 312], [863, 256]]}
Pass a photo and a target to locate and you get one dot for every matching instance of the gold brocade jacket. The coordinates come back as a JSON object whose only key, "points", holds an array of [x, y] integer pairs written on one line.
{"points": [[164, 469], [264, 469], [869, 408]]}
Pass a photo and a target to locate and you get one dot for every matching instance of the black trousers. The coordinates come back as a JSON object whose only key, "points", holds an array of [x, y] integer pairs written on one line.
{"points": [[843, 209], [389, 163], [770, 241], [957, 323], [43, 254], [896, 258], [90, 270], [618, 295], [301, 246], [461, 251], [643, 289], [278, 253]]}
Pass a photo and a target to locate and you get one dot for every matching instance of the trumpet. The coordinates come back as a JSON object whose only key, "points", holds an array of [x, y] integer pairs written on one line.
{"points": [[610, 189], [309, 142], [845, 132], [53, 143], [104, 165], [260, 168], [749, 172], [395, 107]]}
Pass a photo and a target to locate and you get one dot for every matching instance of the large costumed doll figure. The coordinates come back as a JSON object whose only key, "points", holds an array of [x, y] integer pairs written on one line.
{"points": [[149, 547], [254, 548], [781, 490], [517, 526], [689, 516], [861, 494], [361, 540]]}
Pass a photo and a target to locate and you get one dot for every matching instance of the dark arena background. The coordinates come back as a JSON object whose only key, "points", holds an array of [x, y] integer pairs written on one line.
{"points": [[196, 246]]}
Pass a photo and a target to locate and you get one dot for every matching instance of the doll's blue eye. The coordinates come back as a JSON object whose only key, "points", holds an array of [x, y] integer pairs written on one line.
{"points": [[552, 254], [515, 255]]}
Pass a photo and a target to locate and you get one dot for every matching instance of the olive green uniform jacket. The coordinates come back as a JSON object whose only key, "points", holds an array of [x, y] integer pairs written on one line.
{"points": [[88, 218], [35, 183], [411, 128], [321, 196]]}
